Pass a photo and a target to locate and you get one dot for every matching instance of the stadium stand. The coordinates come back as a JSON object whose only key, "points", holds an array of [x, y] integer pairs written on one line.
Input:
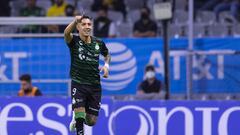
{"points": [[203, 19]]}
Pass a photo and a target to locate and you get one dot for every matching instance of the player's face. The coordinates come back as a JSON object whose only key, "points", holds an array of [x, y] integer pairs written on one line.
{"points": [[85, 27], [25, 85]]}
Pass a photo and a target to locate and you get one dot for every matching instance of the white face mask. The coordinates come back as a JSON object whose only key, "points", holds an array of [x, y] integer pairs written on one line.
{"points": [[150, 74]]}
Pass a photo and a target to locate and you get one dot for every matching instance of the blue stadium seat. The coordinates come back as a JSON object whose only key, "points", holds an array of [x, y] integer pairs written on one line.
{"points": [[180, 17], [85, 4], [115, 16], [45, 4], [133, 15], [218, 30], [199, 30], [124, 29], [134, 4], [206, 17], [180, 4], [236, 30], [175, 30], [16, 5]]}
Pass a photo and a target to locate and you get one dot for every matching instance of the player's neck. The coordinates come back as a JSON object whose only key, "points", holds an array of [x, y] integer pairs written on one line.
{"points": [[86, 39]]}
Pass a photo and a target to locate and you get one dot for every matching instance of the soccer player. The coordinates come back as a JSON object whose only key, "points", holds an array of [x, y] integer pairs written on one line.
{"points": [[85, 86]]}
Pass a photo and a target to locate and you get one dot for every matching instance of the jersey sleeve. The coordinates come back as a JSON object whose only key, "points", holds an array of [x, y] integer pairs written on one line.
{"points": [[72, 42], [104, 49]]}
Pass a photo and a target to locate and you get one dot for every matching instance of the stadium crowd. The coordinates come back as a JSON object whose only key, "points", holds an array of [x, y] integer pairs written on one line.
{"points": [[131, 18]]}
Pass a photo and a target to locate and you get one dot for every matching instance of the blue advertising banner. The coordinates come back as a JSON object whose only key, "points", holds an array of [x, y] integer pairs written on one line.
{"points": [[215, 67], [51, 116]]}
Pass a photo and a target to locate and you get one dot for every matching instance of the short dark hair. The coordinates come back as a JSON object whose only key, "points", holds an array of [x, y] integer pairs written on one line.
{"points": [[147, 9], [149, 67], [25, 77], [85, 17]]}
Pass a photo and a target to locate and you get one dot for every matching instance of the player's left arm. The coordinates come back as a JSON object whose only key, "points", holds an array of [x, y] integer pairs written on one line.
{"points": [[105, 68], [107, 59]]}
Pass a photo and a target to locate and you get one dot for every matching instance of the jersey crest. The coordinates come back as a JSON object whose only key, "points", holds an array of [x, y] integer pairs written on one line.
{"points": [[97, 46]]}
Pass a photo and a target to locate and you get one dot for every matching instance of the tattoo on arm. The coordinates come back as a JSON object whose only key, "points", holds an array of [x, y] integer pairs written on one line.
{"points": [[68, 31]]}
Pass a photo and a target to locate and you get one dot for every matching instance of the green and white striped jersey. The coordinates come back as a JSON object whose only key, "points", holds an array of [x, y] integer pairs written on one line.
{"points": [[85, 60]]}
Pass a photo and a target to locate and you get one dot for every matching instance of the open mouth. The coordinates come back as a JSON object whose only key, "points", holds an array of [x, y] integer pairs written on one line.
{"points": [[88, 31]]}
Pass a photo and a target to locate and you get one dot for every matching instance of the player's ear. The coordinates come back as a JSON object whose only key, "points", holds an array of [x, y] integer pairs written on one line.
{"points": [[78, 26]]}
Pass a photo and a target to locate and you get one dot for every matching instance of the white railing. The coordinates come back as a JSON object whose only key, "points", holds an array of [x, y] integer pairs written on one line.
{"points": [[30, 35], [35, 20], [9, 26], [39, 81]]}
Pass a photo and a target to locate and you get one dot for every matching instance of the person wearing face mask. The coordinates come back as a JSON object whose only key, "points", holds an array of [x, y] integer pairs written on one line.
{"points": [[103, 26], [145, 27], [70, 11], [151, 84], [26, 87]]}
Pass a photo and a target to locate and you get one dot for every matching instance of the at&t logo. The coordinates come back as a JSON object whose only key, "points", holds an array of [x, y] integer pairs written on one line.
{"points": [[123, 67]]}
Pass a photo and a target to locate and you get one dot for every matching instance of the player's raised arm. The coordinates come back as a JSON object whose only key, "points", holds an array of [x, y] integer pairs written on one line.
{"points": [[68, 30]]}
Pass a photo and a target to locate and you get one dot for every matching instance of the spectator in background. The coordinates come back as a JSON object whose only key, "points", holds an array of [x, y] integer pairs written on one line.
{"points": [[103, 26], [151, 84], [230, 5], [56, 10], [31, 10], [26, 87], [70, 11], [145, 27], [5, 8], [119, 5], [115, 5]]}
